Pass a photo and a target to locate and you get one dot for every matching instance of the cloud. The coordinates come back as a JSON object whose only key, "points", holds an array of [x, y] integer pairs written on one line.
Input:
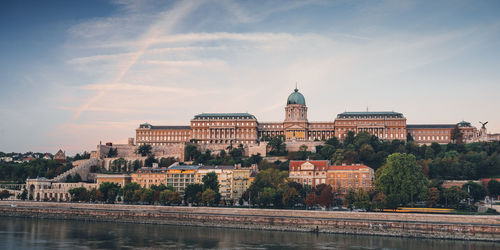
{"points": [[164, 24]]}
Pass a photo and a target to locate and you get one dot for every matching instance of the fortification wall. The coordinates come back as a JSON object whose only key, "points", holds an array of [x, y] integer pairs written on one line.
{"points": [[294, 146]]}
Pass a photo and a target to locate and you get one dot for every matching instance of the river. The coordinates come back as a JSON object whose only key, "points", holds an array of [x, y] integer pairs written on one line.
{"points": [[23, 233]]}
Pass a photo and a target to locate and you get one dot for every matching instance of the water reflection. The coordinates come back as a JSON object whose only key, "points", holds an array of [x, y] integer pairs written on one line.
{"points": [[19, 233]]}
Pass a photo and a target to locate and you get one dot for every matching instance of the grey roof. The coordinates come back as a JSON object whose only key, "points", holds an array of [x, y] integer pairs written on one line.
{"points": [[147, 125], [225, 115], [416, 126], [217, 167], [149, 169], [370, 113], [170, 127], [464, 124], [184, 167]]}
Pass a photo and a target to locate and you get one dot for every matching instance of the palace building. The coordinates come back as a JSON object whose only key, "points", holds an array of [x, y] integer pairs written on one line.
{"points": [[342, 178], [244, 128]]}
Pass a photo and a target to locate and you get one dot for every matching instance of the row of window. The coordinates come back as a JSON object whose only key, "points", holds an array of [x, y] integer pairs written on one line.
{"points": [[223, 124], [163, 132], [387, 123]]}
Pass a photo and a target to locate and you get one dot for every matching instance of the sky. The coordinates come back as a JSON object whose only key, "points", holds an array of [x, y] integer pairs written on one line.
{"points": [[76, 73]]}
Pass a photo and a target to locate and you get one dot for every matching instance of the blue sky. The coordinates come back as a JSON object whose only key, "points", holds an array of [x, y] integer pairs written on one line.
{"points": [[73, 73]]}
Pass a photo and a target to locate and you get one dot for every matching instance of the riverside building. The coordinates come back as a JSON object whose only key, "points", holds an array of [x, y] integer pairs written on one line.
{"points": [[244, 128], [341, 178]]}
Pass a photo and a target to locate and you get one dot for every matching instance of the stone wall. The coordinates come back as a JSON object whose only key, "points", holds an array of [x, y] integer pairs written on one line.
{"points": [[294, 146], [128, 152], [392, 224]]}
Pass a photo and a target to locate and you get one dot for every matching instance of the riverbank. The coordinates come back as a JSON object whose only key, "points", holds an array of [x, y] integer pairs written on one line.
{"points": [[483, 227]]}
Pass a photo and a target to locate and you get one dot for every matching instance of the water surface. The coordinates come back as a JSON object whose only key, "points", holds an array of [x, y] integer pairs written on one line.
{"points": [[21, 233]]}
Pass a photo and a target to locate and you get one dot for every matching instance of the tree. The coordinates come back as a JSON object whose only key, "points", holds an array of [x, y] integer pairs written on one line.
{"points": [[311, 199], [210, 181], [453, 196], [349, 198], [277, 146], [402, 178], [326, 196], [209, 197], [136, 165], [291, 197], [150, 160], [113, 152], [361, 199], [494, 188], [24, 195], [379, 201], [79, 194], [193, 192], [4, 194], [128, 192], [327, 151], [266, 196], [147, 195], [433, 197], [77, 178], [144, 149], [475, 190], [169, 197], [191, 153], [109, 191], [456, 135], [166, 162]]}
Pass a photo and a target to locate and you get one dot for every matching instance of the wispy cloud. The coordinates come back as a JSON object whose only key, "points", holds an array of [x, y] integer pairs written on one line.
{"points": [[166, 22]]}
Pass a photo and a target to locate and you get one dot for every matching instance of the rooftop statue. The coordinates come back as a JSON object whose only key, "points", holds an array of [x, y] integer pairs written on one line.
{"points": [[483, 123]]}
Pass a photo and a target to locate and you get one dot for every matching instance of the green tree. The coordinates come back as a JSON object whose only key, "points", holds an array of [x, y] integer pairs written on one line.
{"points": [[209, 197], [456, 135], [136, 165], [327, 151], [291, 197], [113, 152], [361, 199], [433, 197], [24, 195], [109, 191], [79, 194], [453, 196], [150, 160], [128, 192], [144, 149], [338, 157], [379, 201], [277, 146], [193, 192], [4, 194], [266, 196], [475, 190], [494, 188], [402, 177], [210, 181], [147, 195]]}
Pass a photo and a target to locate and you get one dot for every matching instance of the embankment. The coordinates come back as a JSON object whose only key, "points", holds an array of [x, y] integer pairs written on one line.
{"points": [[389, 224]]}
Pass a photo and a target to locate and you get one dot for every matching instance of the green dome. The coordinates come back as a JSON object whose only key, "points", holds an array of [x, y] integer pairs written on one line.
{"points": [[296, 98]]}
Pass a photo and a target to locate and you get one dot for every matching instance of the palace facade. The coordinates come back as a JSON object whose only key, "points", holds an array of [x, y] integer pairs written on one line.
{"points": [[342, 178], [244, 128]]}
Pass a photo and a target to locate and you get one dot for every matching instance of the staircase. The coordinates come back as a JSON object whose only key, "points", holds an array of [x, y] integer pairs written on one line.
{"points": [[82, 169]]}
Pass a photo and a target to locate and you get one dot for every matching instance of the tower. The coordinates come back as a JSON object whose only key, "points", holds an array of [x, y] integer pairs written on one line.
{"points": [[295, 124]]}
